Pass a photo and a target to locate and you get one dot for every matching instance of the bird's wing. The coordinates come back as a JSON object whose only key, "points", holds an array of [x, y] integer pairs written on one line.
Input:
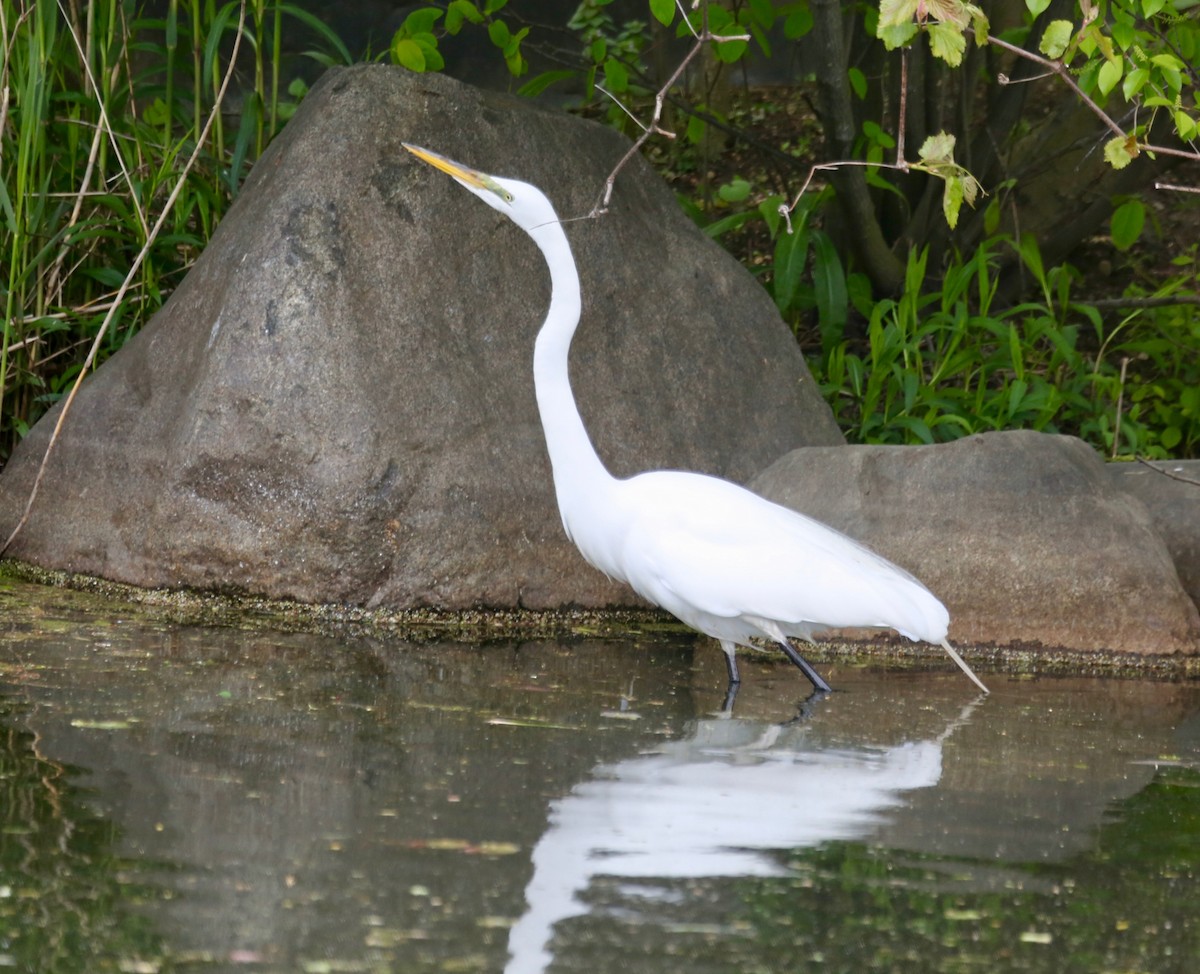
{"points": [[721, 550]]}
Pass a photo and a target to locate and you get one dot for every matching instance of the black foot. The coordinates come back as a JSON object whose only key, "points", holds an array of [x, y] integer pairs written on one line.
{"points": [[809, 707], [813, 676]]}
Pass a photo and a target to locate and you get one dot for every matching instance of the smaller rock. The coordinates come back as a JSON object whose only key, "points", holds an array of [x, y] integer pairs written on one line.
{"points": [[1171, 493], [1020, 534]]}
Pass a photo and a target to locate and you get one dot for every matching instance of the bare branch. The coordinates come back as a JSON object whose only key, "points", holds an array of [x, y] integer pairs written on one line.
{"points": [[1166, 473], [652, 127], [1061, 70]]}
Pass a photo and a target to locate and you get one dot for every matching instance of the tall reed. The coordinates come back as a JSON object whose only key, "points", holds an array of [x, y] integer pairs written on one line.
{"points": [[100, 107]]}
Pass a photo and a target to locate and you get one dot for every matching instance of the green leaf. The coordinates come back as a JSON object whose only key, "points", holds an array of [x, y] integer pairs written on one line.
{"points": [[1127, 222], [499, 33], [516, 63], [764, 42], [536, 85], [762, 13], [616, 76], [991, 217], [1055, 38], [829, 285], [938, 149], [156, 113], [1037, 6], [465, 10], [1172, 70], [514, 41], [1028, 249], [769, 210], [421, 21], [407, 53], [663, 11], [1134, 82], [947, 42], [1185, 126], [433, 57], [734, 191], [896, 35], [791, 256], [1110, 74], [321, 29], [799, 22], [952, 200], [1119, 152], [858, 83], [893, 13], [1125, 34], [730, 51], [980, 25]]}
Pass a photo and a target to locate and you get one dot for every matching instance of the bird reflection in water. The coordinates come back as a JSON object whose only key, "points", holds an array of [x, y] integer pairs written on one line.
{"points": [[723, 802]]}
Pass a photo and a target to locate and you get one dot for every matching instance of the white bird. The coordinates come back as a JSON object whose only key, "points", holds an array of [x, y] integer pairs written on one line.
{"points": [[720, 558]]}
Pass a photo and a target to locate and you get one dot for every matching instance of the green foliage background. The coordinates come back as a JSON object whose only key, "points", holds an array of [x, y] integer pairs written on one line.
{"points": [[105, 105]]}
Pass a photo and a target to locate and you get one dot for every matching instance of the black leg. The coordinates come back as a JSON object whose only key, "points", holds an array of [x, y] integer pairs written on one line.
{"points": [[731, 666], [813, 676]]}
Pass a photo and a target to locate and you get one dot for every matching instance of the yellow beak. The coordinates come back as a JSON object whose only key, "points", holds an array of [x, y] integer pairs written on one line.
{"points": [[457, 170]]}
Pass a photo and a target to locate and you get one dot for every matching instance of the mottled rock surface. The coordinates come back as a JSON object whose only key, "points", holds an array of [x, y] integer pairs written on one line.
{"points": [[1021, 534], [1171, 492]]}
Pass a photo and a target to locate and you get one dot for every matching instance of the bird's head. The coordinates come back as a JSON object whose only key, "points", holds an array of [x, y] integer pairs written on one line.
{"points": [[525, 205]]}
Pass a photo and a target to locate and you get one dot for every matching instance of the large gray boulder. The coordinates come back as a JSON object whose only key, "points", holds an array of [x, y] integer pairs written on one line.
{"points": [[1021, 534], [336, 405]]}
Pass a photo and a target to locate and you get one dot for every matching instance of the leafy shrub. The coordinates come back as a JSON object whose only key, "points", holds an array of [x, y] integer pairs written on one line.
{"points": [[943, 360]]}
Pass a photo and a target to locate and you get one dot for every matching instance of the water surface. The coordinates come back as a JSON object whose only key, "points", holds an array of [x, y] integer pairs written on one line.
{"points": [[180, 798]]}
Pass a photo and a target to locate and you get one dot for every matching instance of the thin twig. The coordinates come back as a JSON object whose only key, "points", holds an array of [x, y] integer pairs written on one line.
{"points": [[1166, 473], [652, 127], [1060, 69], [900, 166], [1162, 301], [128, 281]]}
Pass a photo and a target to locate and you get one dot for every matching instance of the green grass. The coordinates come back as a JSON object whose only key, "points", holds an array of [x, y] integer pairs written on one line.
{"points": [[941, 362], [107, 119], [946, 359]]}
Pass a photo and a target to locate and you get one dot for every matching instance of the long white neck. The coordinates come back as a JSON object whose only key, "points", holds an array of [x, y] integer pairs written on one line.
{"points": [[580, 478]]}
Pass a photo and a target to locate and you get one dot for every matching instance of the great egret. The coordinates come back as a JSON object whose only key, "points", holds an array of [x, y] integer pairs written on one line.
{"points": [[721, 559]]}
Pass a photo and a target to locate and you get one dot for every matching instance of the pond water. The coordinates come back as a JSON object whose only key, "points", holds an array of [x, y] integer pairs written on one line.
{"points": [[181, 798]]}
